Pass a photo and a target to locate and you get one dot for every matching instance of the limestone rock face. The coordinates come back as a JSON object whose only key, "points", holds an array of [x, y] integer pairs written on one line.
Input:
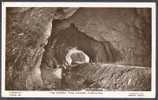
{"points": [[110, 77], [37, 41], [27, 33], [60, 43], [128, 30]]}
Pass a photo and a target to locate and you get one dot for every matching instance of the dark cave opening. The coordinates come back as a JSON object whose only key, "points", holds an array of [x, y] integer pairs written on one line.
{"points": [[98, 51], [59, 44]]}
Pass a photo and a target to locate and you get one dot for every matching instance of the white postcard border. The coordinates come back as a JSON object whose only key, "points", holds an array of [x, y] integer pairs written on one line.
{"points": [[74, 94]]}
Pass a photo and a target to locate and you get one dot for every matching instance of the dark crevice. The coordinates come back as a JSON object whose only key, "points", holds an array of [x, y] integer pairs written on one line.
{"points": [[60, 42]]}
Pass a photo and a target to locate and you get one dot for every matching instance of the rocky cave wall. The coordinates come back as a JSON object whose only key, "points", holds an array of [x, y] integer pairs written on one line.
{"points": [[128, 30], [28, 31]]}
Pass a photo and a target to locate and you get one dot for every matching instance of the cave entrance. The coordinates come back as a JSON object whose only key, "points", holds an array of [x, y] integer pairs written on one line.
{"points": [[63, 41]]}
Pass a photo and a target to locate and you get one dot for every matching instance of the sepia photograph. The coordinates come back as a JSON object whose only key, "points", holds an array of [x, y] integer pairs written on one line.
{"points": [[78, 49]]}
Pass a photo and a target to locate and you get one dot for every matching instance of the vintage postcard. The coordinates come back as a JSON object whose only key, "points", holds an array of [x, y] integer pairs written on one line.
{"points": [[72, 49]]}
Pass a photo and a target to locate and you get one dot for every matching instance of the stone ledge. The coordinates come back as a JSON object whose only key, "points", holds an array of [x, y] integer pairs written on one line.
{"points": [[110, 77]]}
